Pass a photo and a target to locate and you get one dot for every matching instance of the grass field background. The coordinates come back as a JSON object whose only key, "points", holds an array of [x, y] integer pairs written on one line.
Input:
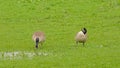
{"points": [[61, 20]]}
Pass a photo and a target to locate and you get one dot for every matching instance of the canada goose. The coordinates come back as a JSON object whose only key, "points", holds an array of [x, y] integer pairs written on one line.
{"points": [[38, 37], [81, 36]]}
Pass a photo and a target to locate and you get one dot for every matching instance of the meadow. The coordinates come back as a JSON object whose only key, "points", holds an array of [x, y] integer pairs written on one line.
{"points": [[60, 20]]}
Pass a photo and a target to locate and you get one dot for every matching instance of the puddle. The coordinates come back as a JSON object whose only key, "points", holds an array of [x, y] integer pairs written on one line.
{"points": [[20, 55]]}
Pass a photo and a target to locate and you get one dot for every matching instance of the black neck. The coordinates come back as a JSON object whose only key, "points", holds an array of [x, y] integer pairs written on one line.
{"points": [[84, 30], [37, 41]]}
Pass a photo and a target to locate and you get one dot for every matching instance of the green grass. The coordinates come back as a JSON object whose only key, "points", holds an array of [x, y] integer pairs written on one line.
{"points": [[61, 20]]}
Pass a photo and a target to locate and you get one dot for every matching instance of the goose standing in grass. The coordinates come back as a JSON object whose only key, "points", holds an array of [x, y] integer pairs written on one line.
{"points": [[38, 37], [81, 36]]}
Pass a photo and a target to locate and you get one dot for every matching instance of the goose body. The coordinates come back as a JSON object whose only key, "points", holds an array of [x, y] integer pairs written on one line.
{"points": [[81, 36], [38, 37]]}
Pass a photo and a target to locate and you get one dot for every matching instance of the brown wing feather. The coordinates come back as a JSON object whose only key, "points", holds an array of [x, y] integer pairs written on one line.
{"points": [[39, 35]]}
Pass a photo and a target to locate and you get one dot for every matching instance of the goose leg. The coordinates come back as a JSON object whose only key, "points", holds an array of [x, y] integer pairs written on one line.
{"points": [[77, 42], [83, 44]]}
